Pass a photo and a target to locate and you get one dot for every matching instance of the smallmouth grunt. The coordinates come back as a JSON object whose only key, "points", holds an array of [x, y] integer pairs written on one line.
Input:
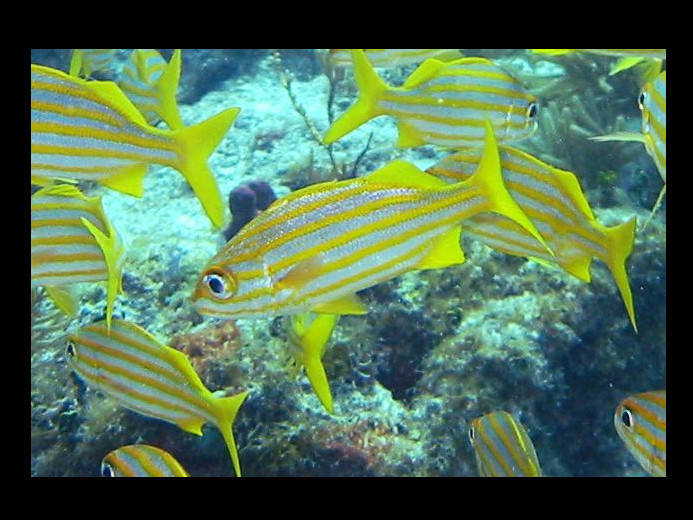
{"points": [[89, 130], [148, 377], [141, 460], [444, 104], [151, 84], [315, 248], [641, 422], [86, 61], [554, 202], [503, 447], [393, 57], [308, 335], [73, 241]]}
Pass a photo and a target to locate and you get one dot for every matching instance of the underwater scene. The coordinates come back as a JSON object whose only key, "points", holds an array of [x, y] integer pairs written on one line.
{"points": [[348, 262]]}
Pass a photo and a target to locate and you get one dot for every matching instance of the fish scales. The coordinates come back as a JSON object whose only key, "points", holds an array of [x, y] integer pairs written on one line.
{"points": [[141, 460]]}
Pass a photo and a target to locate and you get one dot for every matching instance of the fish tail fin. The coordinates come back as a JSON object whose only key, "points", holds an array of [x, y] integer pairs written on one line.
{"points": [[314, 341], [656, 206], [370, 87], [76, 63], [489, 179], [168, 87], [196, 144], [113, 252], [229, 407], [620, 244]]}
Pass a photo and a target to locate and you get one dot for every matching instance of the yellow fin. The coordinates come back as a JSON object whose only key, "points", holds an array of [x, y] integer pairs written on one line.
{"points": [[167, 88], [349, 304], [625, 63], [227, 410], [300, 274], [371, 87], [193, 426], [427, 70], [127, 180], [620, 136], [656, 206], [113, 252], [553, 52], [408, 136], [196, 144], [117, 98], [620, 245], [446, 251], [64, 299], [403, 173], [76, 63], [579, 266]]}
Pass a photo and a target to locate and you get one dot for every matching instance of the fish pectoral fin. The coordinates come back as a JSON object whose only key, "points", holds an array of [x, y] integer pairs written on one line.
{"points": [[446, 251], [403, 173], [349, 304], [128, 180], [64, 298], [300, 274], [408, 136]]}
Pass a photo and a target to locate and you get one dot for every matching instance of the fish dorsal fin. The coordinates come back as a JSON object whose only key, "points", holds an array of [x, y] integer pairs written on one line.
{"points": [[117, 98], [427, 70], [349, 304], [446, 251], [403, 173], [571, 184]]}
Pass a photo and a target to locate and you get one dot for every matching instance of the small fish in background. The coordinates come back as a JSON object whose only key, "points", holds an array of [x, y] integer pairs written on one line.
{"points": [[554, 202], [393, 57], [141, 460], [308, 335], [315, 248], [151, 84], [444, 104], [73, 241], [503, 447], [131, 366], [628, 57], [86, 61], [89, 130], [641, 422], [653, 105], [245, 202]]}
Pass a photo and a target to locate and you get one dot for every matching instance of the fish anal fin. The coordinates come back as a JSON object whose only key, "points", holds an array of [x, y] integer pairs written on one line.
{"points": [[349, 304], [408, 136], [64, 298], [192, 425], [446, 251], [128, 180]]}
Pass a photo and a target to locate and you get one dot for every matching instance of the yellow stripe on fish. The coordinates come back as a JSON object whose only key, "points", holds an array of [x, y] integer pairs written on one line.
{"points": [[554, 202], [503, 447], [86, 61], [151, 84], [308, 335], [141, 460], [72, 241], [313, 249], [89, 130], [641, 422], [148, 377], [444, 104], [393, 57]]}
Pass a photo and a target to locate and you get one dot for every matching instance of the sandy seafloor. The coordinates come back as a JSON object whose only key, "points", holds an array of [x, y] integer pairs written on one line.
{"points": [[437, 348]]}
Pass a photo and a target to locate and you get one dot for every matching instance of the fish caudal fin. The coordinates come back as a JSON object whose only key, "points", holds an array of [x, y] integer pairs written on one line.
{"points": [[489, 179], [370, 89], [196, 145], [168, 87], [113, 253], [228, 409], [620, 245], [313, 342]]}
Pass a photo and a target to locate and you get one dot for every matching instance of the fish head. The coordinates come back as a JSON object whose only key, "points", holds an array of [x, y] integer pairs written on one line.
{"points": [[521, 118]]}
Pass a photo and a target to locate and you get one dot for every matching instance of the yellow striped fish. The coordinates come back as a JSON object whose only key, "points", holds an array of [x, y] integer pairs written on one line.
{"points": [[151, 84], [73, 241], [308, 335], [89, 130], [556, 205], [313, 249], [502, 447], [641, 422], [144, 375], [141, 460], [393, 57], [653, 104], [86, 61], [444, 104], [628, 57]]}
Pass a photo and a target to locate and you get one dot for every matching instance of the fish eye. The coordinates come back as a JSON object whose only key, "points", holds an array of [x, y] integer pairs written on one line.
{"points": [[472, 435], [219, 283], [627, 418], [70, 349], [107, 470], [532, 110], [641, 100]]}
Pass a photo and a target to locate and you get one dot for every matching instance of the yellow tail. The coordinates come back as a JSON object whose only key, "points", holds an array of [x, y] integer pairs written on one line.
{"points": [[620, 245], [196, 145], [370, 87], [228, 409]]}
